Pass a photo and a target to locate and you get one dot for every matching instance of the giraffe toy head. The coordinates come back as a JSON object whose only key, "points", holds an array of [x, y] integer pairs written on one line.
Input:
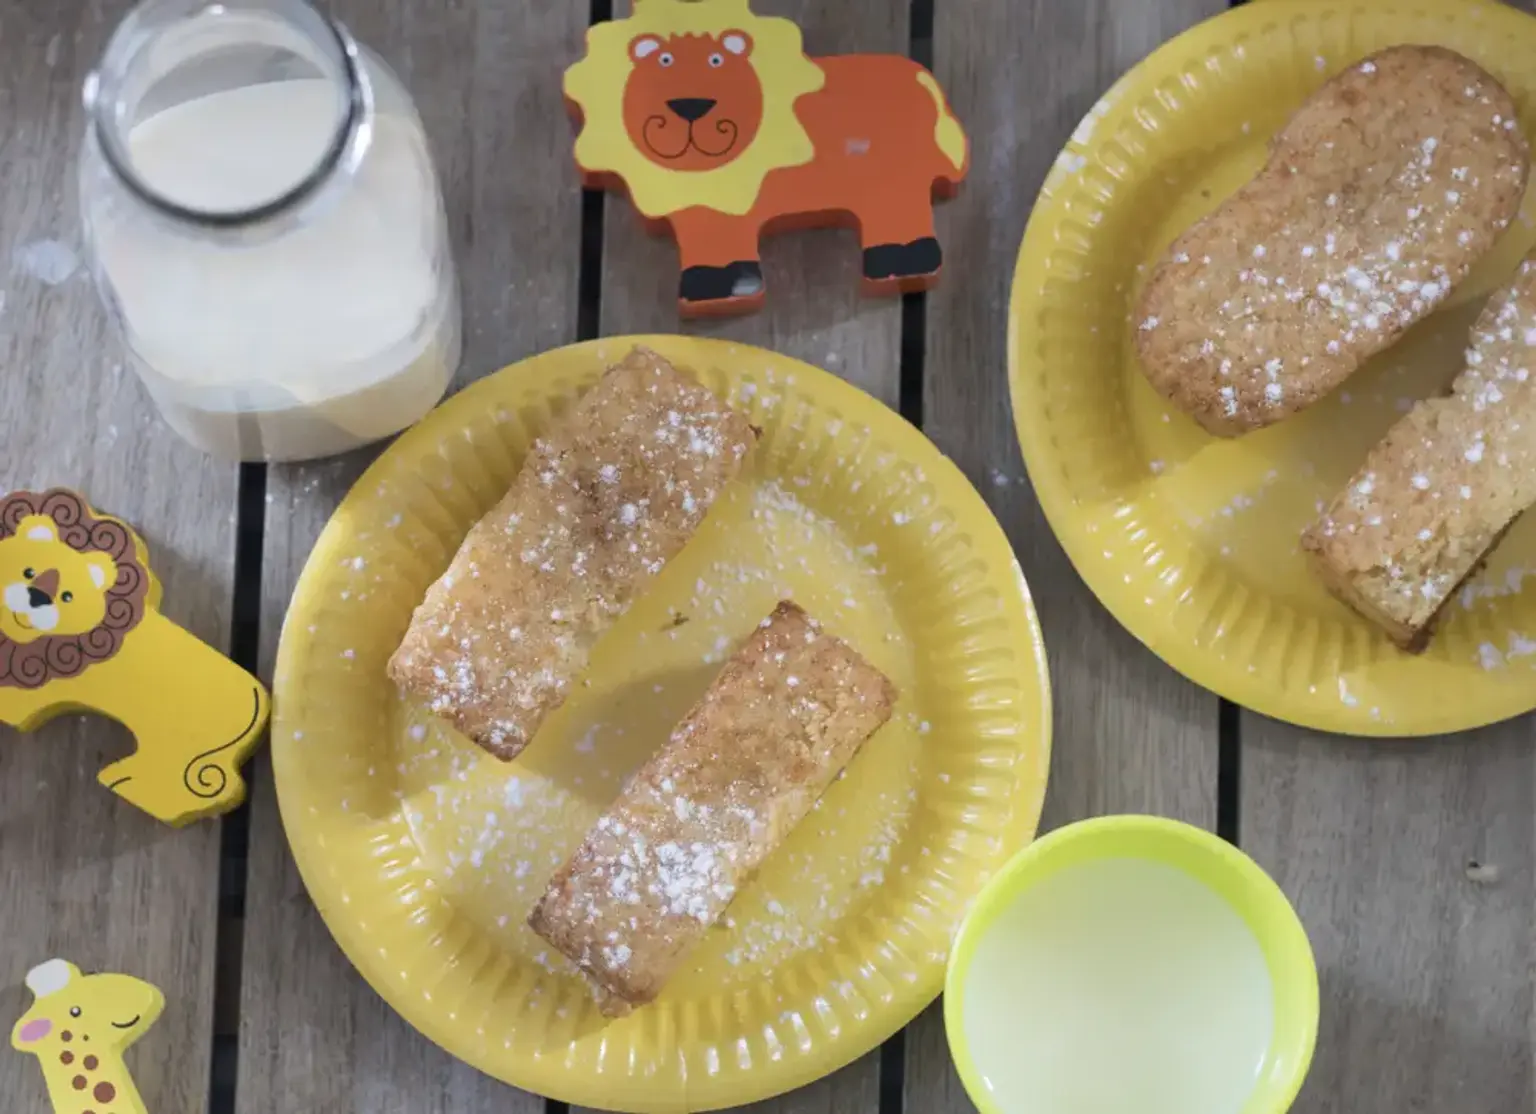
{"points": [[78, 1027]]}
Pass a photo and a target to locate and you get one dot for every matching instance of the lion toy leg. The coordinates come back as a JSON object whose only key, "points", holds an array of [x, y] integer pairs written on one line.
{"points": [[193, 734]]}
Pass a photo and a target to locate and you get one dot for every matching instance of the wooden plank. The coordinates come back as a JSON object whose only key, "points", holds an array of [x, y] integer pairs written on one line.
{"points": [[1130, 735], [1423, 960], [814, 313], [87, 877], [486, 78], [1423, 957]]}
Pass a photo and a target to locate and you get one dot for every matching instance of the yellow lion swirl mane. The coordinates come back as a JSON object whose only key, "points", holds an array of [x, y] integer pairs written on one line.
{"points": [[58, 656], [596, 86]]}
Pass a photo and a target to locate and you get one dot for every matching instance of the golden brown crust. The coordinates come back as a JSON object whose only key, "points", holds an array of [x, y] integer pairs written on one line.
{"points": [[603, 501], [784, 716], [1378, 196], [1439, 491]]}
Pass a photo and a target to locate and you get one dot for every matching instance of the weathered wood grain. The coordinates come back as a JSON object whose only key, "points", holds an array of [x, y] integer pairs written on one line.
{"points": [[1410, 864], [1130, 735], [486, 78], [82, 875]]}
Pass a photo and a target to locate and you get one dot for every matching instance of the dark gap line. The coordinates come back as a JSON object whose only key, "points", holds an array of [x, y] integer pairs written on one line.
{"points": [[920, 32], [1229, 766], [914, 307], [893, 1073], [914, 344], [589, 281], [1229, 740], [235, 827], [911, 360], [223, 1070]]}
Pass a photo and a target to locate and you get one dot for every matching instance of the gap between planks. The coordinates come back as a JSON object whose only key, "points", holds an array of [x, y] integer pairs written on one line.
{"points": [[235, 827]]}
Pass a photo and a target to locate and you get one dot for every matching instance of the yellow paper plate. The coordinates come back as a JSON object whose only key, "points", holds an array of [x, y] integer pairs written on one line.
{"points": [[425, 855], [1192, 541]]}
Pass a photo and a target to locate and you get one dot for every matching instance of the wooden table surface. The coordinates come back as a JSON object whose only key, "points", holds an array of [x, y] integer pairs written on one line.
{"points": [[1426, 969]]}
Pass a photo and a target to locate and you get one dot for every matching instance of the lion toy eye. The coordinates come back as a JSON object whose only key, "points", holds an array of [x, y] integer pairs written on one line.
{"points": [[28, 574], [67, 597], [716, 60], [665, 59], [74, 1011]]}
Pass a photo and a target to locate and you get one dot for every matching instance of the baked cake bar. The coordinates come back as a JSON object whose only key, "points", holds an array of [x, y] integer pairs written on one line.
{"points": [[602, 502], [1378, 196], [784, 716], [1435, 496]]}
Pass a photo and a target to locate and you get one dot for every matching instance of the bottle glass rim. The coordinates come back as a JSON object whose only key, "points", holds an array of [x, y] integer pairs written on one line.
{"points": [[105, 87]]}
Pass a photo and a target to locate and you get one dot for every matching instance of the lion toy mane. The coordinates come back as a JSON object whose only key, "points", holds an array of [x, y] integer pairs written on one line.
{"points": [[56, 656]]}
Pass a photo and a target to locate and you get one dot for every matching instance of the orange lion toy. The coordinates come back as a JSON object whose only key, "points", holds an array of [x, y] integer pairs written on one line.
{"points": [[721, 129]]}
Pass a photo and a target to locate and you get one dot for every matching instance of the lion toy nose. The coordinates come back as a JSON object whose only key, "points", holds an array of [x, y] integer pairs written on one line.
{"points": [[43, 588], [691, 108]]}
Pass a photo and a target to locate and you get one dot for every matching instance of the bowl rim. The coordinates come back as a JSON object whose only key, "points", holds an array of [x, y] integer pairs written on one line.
{"points": [[1279, 932]]}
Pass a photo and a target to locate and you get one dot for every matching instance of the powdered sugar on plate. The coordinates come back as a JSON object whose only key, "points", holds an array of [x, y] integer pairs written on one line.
{"points": [[490, 835]]}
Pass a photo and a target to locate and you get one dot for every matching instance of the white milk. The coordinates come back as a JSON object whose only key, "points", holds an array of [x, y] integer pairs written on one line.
{"points": [[336, 332], [1119, 985]]}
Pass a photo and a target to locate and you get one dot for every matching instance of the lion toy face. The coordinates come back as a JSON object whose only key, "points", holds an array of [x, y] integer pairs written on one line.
{"points": [[692, 102], [47, 587]]}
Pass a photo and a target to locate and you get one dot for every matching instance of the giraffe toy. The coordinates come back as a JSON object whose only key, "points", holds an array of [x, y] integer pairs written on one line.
{"points": [[78, 1027]]}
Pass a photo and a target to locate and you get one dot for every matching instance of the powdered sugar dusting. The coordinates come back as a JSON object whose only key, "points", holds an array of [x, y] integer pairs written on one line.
{"points": [[490, 837], [664, 862], [1438, 494], [600, 505], [1346, 256]]}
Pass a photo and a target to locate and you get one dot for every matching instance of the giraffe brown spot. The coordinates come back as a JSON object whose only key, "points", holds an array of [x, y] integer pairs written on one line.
{"points": [[104, 1092], [78, 1082], [66, 1057], [66, 1036], [90, 1063]]}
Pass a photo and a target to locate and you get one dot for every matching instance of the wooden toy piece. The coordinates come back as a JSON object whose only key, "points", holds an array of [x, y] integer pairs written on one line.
{"points": [[722, 130], [80, 630], [78, 1027]]}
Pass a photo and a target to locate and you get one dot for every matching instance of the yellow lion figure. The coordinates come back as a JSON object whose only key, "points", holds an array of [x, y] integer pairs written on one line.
{"points": [[80, 630], [721, 129]]}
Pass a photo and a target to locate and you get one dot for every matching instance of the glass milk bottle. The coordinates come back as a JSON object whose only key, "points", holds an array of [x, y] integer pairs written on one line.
{"points": [[265, 226]]}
